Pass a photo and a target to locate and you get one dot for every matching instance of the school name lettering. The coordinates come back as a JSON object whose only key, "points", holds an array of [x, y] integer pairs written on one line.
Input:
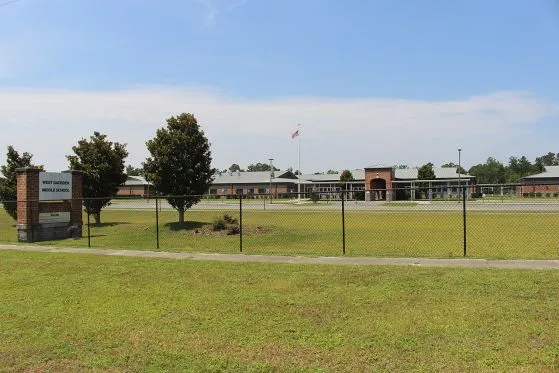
{"points": [[55, 190], [56, 182]]}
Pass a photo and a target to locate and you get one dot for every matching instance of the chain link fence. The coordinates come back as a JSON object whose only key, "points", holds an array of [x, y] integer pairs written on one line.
{"points": [[479, 222]]}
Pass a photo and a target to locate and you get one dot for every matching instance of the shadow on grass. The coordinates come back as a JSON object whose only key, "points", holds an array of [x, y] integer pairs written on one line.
{"points": [[187, 225], [104, 225]]}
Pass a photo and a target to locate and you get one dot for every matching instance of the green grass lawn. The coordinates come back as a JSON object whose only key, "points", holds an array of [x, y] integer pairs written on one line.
{"points": [[319, 233], [68, 312]]}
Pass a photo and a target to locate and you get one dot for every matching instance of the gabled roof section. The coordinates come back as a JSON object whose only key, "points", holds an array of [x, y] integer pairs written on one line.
{"points": [[549, 172], [443, 173], [358, 175], [256, 177], [136, 181], [378, 167]]}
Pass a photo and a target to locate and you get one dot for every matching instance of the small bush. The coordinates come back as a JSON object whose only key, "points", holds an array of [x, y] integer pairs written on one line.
{"points": [[538, 195], [233, 229], [219, 224], [229, 219]]}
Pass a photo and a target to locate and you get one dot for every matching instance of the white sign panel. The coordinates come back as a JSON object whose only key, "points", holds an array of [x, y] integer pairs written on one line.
{"points": [[54, 217], [55, 186]]}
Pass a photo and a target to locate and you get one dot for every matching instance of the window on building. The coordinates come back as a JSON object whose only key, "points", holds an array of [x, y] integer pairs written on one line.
{"points": [[213, 190], [262, 190], [239, 190]]}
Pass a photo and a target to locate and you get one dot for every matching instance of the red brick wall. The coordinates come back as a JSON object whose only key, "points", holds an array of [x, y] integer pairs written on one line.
{"points": [[27, 195], [385, 173], [77, 198]]}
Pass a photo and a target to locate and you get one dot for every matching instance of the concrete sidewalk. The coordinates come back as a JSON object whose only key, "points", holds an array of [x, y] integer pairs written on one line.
{"points": [[420, 262]]}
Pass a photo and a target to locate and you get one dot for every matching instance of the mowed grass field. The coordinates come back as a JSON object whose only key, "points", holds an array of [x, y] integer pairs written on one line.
{"points": [[512, 235], [68, 312]]}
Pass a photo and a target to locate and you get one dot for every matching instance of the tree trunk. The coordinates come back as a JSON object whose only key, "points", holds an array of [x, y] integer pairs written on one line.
{"points": [[181, 217], [97, 217]]}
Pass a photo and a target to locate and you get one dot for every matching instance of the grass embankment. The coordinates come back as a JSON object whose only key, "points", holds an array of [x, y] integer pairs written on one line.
{"points": [[317, 233], [63, 312]]}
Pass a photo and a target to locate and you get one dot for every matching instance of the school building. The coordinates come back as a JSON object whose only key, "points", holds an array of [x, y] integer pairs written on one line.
{"points": [[374, 183]]}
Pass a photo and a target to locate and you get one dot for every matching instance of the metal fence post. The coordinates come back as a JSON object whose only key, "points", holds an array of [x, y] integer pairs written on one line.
{"points": [[88, 226], [464, 218], [343, 223], [157, 221], [241, 222]]}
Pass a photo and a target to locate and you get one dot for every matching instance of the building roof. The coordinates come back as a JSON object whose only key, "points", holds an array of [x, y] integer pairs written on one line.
{"points": [[136, 181], [549, 172], [358, 175], [256, 177], [378, 166], [444, 173]]}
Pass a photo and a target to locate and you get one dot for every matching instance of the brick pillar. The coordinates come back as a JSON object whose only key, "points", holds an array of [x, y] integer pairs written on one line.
{"points": [[76, 202], [27, 203]]}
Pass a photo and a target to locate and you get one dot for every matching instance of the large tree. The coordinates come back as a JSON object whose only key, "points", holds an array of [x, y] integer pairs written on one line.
{"points": [[550, 159], [345, 177], [133, 171], [102, 164], [235, 168], [8, 182], [518, 168], [425, 172], [180, 162], [490, 172]]}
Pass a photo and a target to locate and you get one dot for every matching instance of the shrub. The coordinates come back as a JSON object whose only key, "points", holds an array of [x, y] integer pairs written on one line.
{"points": [[538, 195], [359, 196], [229, 219], [219, 224], [233, 229]]}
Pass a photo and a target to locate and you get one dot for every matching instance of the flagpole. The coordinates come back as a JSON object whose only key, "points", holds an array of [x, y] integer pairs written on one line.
{"points": [[299, 159]]}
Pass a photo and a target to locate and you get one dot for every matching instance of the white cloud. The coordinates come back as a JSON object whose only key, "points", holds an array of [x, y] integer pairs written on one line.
{"points": [[214, 7], [336, 133]]}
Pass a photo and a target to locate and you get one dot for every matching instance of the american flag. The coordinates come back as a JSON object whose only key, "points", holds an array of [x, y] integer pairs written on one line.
{"points": [[295, 134]]}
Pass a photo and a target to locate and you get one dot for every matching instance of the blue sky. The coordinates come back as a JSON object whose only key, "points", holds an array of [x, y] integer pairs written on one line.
{"points": [[388, 81]]}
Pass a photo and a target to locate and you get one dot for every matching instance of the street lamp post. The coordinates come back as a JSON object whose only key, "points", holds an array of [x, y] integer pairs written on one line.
{"points": [[459, 175]]}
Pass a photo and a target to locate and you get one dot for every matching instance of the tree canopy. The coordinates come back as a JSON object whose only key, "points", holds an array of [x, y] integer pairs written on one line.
{"points": [[180, 162], [426, 172], [102, 164], [549, 159], [490, 172], [8, 182], [235, 168], [260, 167], [346, 176], [133, 171]]}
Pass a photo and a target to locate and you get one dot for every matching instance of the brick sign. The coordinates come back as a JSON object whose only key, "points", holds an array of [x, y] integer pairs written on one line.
{"points": [[55, 186]]}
